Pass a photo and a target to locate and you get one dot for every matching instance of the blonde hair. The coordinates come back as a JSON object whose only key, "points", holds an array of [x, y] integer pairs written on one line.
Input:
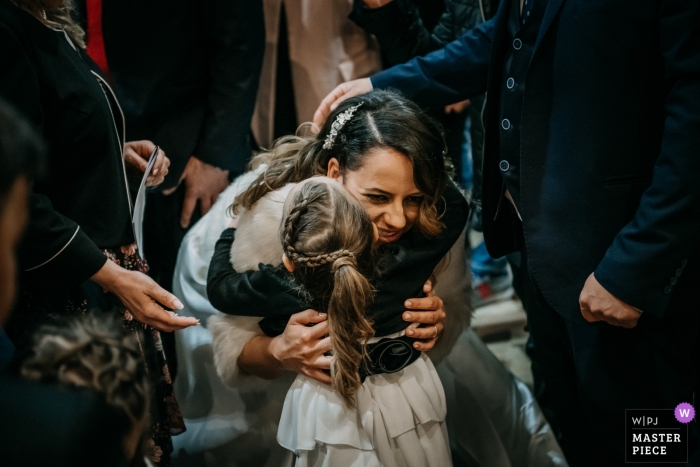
{"points": [[55, 18], [96, 353], [328, 236], [384, 120]]}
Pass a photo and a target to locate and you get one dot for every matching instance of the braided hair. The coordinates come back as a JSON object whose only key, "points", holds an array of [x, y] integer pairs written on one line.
{"points": [[328, 236]]}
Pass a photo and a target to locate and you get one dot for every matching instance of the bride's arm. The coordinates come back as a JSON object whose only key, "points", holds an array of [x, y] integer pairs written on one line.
{"points": [[300, 349]]}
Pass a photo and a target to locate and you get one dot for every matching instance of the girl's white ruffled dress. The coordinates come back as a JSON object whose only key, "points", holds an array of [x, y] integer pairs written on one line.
{"points": [[399, 420]]}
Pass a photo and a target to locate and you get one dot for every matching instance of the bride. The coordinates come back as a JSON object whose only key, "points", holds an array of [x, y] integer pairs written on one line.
{"points": [[236, 426]]}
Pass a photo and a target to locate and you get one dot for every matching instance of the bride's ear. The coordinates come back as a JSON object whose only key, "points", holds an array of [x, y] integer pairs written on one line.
{"points": [[333, 169], [288, 263]]}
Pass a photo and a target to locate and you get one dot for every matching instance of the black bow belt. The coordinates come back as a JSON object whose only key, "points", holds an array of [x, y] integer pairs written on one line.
{"points": [[389, 356]]}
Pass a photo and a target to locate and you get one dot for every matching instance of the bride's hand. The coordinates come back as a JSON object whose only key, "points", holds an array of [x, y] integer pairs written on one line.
{"points": [[301, 347], [427, 311]]}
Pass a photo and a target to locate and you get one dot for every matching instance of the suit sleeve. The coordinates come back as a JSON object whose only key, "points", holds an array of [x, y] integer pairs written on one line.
{"points": [[267, 292], [236, 43], [53, 247], [456, 72], [398, 28], [648, 256]]}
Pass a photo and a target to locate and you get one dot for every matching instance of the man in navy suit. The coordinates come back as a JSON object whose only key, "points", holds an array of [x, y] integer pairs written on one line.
{"points": [[592, 156]]}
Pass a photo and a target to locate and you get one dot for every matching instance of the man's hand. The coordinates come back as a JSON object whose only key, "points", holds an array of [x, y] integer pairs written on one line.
{"points": [[458, 107], [427, 311], [300, 347], [136, 154], [203, 183], [597, 304], [372, 4], [338, 95], [141, 296]]}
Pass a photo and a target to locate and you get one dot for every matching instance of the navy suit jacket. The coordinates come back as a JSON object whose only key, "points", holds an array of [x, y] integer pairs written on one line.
{"points": [[610, 143]]}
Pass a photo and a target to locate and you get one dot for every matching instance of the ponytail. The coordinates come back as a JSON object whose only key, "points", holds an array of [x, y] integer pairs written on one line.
{"points": [[349, 329]]}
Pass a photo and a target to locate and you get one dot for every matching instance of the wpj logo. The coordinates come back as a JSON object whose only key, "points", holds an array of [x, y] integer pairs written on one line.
{"points": [[658, 435]]}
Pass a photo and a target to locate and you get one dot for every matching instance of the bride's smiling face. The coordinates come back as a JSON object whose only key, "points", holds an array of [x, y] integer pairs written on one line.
{"points": [[385, 186]]}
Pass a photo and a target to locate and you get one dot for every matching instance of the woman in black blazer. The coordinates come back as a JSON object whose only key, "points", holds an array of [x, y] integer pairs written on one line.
{"points": [[79, 253]]}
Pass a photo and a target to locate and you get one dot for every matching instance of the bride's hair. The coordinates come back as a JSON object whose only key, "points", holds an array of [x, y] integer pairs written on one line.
{"points": [[328, 236], [383, 120]]}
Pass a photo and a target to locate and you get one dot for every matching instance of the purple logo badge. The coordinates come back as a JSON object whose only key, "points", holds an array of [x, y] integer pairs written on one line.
{"points": [[684, 412]]}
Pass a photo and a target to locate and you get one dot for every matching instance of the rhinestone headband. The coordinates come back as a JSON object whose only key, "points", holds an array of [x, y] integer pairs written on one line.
{"points": [[338, 124]]}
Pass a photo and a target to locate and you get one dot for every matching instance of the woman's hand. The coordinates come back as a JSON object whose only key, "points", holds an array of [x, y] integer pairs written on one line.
{"points": [[427, 311], [301, 347], [140, 295], [136, 154]]}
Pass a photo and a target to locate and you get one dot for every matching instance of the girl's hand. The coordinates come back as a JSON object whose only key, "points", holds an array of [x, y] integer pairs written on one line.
{"points": [[136, 154], [301, 347], [427, 311]]}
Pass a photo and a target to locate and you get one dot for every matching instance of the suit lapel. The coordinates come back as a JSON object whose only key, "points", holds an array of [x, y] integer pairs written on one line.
{"points": [[553, 7]]}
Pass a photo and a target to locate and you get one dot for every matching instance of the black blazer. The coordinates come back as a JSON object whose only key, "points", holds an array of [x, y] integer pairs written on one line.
{"points": [[610, 143], [83, 204], [186, 73]]}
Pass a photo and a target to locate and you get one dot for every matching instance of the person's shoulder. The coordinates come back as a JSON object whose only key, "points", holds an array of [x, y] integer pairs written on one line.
{"points": [[20, 26], [73, 427], [15, 18]]}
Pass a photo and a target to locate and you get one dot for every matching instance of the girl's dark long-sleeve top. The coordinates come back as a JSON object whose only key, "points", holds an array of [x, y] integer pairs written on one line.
{"points": [[83, 204], [270, 292], [401, 33]]}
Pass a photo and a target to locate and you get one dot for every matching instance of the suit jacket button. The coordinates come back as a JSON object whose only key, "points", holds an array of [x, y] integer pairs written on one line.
{"points": [[679, 271], [510, 83], [668, 289], [504, 166], [505, 123], [674, 280], [517, 44]]}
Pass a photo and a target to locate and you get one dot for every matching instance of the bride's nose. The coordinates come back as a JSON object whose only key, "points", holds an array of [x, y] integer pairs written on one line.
{"points": [[395, 217]]}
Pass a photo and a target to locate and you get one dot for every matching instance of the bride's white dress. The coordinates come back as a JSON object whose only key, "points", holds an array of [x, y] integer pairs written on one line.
{"points": [[492, 417]]}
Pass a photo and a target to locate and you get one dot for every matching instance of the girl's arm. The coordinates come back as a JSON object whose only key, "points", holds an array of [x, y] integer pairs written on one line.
{"points": [[264, 293]]}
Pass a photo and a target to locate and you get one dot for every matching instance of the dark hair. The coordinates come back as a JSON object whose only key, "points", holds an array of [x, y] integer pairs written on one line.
{"points": [[21, 149], [328, 236], [93, 352], [383, 120]]}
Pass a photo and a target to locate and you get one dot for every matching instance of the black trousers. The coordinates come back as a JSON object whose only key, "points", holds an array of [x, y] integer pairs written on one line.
{"points": [[589, 373]]}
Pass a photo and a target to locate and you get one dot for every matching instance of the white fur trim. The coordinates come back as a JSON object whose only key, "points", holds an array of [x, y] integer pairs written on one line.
{"points": [[258, 232], [229, 335]]}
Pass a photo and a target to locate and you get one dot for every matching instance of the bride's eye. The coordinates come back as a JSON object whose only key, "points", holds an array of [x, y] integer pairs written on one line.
{"points": [[377, 199], [414, 199]]}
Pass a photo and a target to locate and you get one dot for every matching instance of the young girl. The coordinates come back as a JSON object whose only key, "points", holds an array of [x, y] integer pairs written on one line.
{"points": [[327, 240], [386, 405]]}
